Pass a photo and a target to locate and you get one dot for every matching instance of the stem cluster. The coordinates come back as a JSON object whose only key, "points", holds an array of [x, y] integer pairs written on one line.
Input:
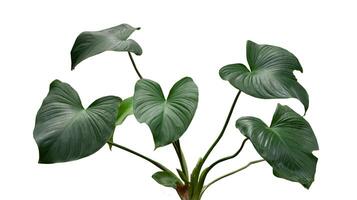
{"points": [[192, 187]]}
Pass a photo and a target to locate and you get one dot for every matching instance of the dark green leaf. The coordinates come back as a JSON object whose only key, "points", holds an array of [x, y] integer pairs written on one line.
{"points": [[65, 131], [91, 43], [286, 145], [167, 118], [166, 179], [270, 75]]}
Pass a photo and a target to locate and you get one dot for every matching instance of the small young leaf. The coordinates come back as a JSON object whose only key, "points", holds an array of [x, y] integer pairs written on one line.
{"points": [[65, 131], [166, 179], [270, 75], [125, 109], [167, 118], [286, 145], [91, 43]]}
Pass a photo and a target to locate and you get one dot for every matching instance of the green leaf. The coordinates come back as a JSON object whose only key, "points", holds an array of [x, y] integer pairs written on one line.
{"points": [[166, 179], [91, 43], [286, 145], [65, 131], [125, 109], [270, 75], [167, 118]]}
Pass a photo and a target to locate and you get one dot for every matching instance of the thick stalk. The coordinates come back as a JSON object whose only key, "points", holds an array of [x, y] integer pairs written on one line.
{"points": [[182, 191], [229, 174], [182, 159], [134, 65]]}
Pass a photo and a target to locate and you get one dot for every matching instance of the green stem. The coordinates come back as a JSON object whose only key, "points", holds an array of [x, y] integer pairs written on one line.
{"points": [[231, 173], [208, 169], [157, 164], [134, 65], [182, 159], [223, 129], [196, 184], [223, 159]]}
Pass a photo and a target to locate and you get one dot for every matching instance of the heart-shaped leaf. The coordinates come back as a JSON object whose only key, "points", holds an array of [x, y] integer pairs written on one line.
{"points": [[91, 43], [65, 131], [166, 179], [167, 118], [270, 75], [286, 145]]}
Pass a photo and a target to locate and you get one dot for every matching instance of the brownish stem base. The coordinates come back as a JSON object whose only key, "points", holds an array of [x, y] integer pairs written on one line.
{"points": [[183, 192]]}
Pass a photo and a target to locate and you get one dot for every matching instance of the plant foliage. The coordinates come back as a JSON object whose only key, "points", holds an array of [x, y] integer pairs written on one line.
{"points": [[65, 130]]}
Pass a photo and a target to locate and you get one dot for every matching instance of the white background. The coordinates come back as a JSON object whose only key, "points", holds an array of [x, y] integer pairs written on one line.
{"points": [[185, 38]]}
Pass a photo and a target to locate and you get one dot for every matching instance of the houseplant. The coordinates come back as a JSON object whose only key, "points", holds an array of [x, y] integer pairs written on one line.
{"points": [[65, 131]]}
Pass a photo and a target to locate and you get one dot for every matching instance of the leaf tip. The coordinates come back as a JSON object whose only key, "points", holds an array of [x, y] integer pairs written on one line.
{"points": [[156, 147], [306, 107], [307, 183], [250, 42], [42, 161], [159, 144], [54, 83]]}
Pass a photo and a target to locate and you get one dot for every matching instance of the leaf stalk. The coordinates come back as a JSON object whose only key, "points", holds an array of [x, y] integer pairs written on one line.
{"points": [[182, 160], [157, 164], [134, 65], [230, 173]]}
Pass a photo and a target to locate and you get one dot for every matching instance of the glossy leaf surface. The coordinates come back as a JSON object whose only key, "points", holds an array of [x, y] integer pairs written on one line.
{"points": [[167, 118], [65, 131], [286, 144], [270, 75], [91, 43]]}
